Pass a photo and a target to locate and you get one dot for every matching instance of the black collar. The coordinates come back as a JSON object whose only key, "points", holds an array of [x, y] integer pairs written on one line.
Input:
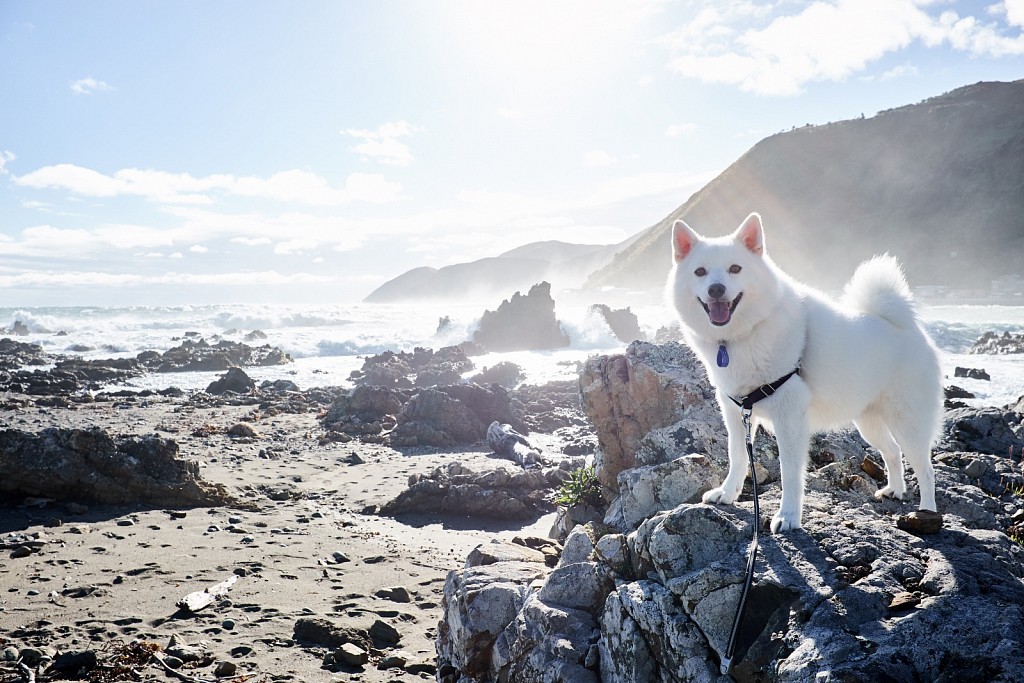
{"points": [[764, 391]]}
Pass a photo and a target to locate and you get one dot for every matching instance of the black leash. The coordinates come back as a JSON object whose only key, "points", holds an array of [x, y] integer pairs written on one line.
{"points": [[746, 405]]}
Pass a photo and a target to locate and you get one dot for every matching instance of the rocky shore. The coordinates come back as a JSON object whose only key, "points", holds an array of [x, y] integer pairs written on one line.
{"points": [[415, 527]]}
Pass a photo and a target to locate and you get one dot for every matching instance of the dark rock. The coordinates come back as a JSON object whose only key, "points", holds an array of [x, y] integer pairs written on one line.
{"points": [[324, 632], [501, 493], [522, 323], [234, 380], [74, 663], [452, 415], [920, 522], [384, 634], [971, 373], [200, 356], [622, 322], [505, 373], [15, 354], [422, 368], [91, 465], [982, 430]]}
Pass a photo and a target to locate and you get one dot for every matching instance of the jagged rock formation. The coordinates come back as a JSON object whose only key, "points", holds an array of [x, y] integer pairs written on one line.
{"points": [[522, 323], [621, 321], [647, 387], [992, 343]]}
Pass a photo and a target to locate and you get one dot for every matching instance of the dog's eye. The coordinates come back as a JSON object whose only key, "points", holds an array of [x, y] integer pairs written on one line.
{"points": [[735, 269], [700, 272]]}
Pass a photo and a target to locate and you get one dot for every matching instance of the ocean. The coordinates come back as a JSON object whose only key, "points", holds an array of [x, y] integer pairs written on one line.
{"points": [[329, 342]]}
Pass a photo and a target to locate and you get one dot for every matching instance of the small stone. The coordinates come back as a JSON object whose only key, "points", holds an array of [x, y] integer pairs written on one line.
{"points": [[225, 669], [126, 522], [873, 469], [384, 634], [9, 654], [228, 624], [394, 660], [395, 594], [21, 551], [920, 522], [339, 557], [351, 654], [903, 601], [976, 468]]}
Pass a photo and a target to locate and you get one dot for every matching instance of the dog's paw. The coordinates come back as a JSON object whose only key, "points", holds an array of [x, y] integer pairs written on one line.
{"points": [[720, 496], [784, 522], [891, 491]]}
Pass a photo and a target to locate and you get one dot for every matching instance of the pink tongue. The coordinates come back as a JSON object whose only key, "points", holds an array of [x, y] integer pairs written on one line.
{"points": [[719, 311]]}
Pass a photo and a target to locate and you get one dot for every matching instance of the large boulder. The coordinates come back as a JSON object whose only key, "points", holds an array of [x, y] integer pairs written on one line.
{"points": [[453, 415], [506, 492], [522, 323], [647, 387], [89, 464]]}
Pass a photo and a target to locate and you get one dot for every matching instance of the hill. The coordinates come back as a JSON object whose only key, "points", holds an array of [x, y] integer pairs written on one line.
{"points": [[940, 184], [562, 263]]}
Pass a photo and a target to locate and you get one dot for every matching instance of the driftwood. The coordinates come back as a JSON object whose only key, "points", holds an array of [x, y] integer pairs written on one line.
{"points": [[507, 443], [193, 602]]}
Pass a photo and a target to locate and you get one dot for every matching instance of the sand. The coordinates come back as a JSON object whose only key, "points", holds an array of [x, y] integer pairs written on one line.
{"points": [[304, 545]]}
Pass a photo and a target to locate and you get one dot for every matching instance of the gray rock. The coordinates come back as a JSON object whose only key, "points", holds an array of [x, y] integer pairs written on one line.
{"points": [[643, 491], [577, 546], [478, 604], [583, 585], [498, 550]]}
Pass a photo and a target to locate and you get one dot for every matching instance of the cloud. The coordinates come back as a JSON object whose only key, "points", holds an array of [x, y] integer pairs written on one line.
{"points": [[80, 279], [598, 158], [294, 186], [677, 129], [740, 43], [89, 86], [198, 249], [5, 157], [382, 145]]}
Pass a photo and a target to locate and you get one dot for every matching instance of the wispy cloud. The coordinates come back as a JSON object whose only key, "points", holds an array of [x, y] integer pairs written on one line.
{"points": [[677, 129], [89, 86], [295, 186], [383, 145], [6, 156], [748, 45], [598, 158]]}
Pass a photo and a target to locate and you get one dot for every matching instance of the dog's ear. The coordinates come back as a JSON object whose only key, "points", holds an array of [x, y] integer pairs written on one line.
{"points": [[683, 240], [751, 234]]}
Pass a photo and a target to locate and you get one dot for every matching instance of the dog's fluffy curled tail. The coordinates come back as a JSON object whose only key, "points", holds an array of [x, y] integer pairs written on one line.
{"points": [[879, 287]]}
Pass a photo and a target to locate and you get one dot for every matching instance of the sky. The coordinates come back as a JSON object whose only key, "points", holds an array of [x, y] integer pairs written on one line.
{"points": [[219, 151]]}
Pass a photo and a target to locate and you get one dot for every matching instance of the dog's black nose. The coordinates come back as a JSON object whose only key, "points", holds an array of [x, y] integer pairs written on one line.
{"points": [[716, 291]]}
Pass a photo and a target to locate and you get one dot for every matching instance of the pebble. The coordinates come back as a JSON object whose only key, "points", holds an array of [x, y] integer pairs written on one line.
{"points": [[225, 669], [976, 468], [351, 654], [21, 551], [339, 557], [395, 594], [903, 601]]}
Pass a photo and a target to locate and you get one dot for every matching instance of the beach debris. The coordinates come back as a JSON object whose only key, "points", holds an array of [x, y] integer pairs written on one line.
{"points": [[194, 602], [507, 443]]}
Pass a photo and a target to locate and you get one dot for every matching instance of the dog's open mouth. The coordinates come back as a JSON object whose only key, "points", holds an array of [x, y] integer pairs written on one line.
{"points": [[720, 312]]}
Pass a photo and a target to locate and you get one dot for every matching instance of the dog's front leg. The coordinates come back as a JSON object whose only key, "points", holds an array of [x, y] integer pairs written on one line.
{"points": [[729, 491], [794, 438]]}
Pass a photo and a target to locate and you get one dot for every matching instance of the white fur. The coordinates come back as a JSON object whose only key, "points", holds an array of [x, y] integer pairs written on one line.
{"points": [[865, 360]]}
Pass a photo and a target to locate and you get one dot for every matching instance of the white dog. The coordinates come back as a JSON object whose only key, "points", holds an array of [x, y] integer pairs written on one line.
{"points": [[867, 361]]}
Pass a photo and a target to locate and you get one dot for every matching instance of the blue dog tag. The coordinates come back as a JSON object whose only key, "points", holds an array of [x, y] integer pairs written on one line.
{"points": [[723, 356]]}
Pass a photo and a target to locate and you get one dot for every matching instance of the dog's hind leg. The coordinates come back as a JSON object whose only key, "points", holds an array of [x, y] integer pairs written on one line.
{"points": [[876, 432], [916, 445]]}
